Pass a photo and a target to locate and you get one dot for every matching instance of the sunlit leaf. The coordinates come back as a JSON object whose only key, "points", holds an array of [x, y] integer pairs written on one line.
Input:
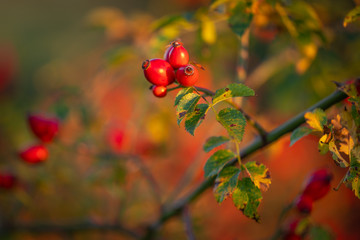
{"points": [[232, 90], [233, 121], [217, 161], [186, 105], [336, 154], [352, 16], [299, 133], [226, 182], [240, 18], [182, 93], [260, 175], [195, 118], [214, 142], [316, 119], [324, 144], [247, 198]]}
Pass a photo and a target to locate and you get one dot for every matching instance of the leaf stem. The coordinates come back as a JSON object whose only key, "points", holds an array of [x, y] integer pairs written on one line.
{"points": [[341, 181], [174, 88], [256, 145], [238, 152]]}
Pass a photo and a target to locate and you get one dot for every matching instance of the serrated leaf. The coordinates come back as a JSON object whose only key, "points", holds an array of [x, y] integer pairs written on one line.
{"points": [[194, 119], [186, 105], [240, 18], [217, 161], [324, 144], [259, 174], [337, 155], [232, 90], [321, 233], [299, 133], [225, 183], [182, 93], [213, 142], [316, 119], [233, 121], [353, 175], [247, 198], [352, 16]]}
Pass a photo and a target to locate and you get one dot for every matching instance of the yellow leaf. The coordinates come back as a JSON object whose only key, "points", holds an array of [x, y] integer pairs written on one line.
{"points": [[208, 30], [315, 119]]}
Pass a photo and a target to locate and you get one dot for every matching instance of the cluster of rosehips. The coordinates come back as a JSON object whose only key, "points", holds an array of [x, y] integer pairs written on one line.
{"points": [[45, 129], [317, 186], [174, 66]]}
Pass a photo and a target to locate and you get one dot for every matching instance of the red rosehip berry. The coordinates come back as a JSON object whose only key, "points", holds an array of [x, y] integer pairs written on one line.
{"points": [[159, 91], [187, 75], [318, 184], [292, 236], [43, 128], [7, 180], [304, 204], [34, 154], [158, 72], [176, 55]]}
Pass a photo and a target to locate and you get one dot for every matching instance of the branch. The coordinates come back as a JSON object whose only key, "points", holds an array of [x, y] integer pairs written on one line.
{"points": [[257, 144], [40, 228]]}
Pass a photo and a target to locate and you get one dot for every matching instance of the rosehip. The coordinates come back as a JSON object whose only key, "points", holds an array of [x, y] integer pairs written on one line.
{"points": [[159, 91], [292, 236], [34, 154], [43, 128], [187, 76], [158, 72], [318, 184], [176, 55], [304, 204], [7, 181]]}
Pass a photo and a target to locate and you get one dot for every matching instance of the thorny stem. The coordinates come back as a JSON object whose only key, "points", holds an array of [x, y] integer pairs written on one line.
{"points": [[256, 145], [177, 207]]}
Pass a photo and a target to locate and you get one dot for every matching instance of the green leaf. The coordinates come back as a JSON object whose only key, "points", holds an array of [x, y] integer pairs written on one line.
{"points": [[213, 142], [240, 18], [259, 174], [352, 16], [232, 90], [186, 105], [320, 233], [353, 175], [225, 183], [194, 119], [233, 121], [316, 119], [247, 198], [182, 93], [299, 133], [217, 161]]}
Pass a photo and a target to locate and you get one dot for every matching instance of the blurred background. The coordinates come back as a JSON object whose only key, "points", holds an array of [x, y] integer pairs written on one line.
{"points": [[120, 155]]}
